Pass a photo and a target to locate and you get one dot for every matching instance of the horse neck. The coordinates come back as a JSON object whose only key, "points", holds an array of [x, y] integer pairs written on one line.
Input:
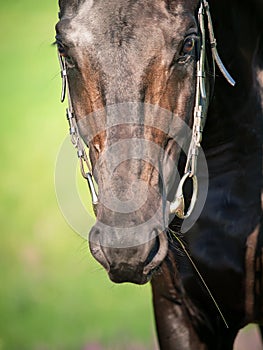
{"points": [[233, 134]]}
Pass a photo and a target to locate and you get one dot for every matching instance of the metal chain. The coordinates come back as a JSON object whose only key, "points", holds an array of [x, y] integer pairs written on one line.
{"points": [[77, 143], [177, 207], [200, 103], [75, 135]]}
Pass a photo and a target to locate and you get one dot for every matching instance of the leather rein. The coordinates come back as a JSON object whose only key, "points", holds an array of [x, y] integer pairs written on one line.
{"points": [[177, 206]]}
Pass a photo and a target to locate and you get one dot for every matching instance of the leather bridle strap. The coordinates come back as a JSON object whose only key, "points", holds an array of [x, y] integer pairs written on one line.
{"points": [[213, 45], [177, 207]]}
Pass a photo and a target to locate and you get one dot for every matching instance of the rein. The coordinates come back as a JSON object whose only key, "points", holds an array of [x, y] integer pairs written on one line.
{"points": [[177, 207]]}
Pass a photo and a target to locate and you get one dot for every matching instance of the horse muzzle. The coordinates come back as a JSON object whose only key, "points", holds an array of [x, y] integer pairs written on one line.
{"points": [[126, 259]]}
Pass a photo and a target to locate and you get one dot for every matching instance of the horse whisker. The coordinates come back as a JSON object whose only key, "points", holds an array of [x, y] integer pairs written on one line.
{"points": [[200, 276]]}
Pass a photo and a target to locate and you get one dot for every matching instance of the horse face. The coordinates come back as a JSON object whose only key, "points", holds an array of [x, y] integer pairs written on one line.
{"points": [[127, 63]]}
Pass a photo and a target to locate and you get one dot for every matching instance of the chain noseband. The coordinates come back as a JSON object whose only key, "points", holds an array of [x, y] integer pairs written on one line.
{"points": [[177, 207]]}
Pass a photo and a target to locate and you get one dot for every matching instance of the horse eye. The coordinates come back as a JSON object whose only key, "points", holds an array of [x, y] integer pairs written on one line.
{"points": [[186, 52], [62, 50], [188, 46]]}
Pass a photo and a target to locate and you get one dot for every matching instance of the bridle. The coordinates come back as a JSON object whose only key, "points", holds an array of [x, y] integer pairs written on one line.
{"points": [[200, 112], [85, 165], [177, 207]]}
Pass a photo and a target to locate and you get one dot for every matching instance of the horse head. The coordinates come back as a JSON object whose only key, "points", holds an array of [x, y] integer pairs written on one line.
{"points": [[131, 69]]}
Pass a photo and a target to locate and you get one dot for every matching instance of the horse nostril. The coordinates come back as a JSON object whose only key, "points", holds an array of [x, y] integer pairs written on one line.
{"points": [[153, 251], [95, 247], [157, 254]]}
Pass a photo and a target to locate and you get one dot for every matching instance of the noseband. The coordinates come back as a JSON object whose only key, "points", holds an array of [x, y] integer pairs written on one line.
{"points": [[177, 207]]}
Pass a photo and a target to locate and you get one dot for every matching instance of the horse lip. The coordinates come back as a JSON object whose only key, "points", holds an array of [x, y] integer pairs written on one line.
{"points": [[159, 257], [140, 279]]}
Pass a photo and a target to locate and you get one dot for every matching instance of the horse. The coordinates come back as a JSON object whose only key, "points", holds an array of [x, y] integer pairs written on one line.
{"points": [[171, 82]]}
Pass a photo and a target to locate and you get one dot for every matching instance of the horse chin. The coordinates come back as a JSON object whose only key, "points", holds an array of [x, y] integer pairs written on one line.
{"points": [[139, 279]]}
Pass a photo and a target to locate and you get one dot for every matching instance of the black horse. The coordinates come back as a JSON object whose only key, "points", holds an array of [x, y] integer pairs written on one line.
{"points": [[163, 53]]}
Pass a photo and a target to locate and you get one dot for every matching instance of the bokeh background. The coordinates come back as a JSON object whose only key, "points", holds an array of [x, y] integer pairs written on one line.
{"points": [[53, 295]]}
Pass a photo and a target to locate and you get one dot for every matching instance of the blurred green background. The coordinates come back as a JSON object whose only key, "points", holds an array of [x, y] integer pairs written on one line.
{"points": [[53, 295]]}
